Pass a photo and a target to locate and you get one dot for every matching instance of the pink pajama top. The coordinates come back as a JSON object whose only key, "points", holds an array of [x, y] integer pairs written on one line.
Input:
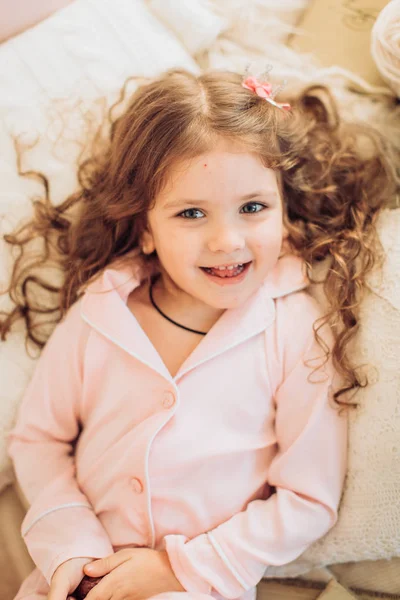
{"points": [[235, 464]]}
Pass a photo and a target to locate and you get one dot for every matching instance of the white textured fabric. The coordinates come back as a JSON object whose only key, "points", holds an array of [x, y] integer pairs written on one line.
{"points": [[194, 23], [385, 44], [87, 50]]}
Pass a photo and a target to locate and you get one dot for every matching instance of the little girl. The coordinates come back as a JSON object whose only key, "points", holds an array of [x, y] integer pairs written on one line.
{"points": [[181, 432]]}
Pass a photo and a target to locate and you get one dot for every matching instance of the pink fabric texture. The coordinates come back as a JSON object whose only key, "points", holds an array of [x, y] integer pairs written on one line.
{"points": [[235, 464]]}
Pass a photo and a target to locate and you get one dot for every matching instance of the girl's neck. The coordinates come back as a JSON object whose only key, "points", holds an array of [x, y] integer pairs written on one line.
{"points": [[182, 307]]}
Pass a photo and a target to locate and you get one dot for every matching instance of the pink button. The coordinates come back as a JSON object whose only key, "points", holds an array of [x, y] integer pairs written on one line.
{"points": [[168, 400], [137, 485]]}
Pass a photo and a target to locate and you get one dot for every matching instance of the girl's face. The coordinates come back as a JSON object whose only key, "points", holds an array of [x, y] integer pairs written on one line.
{"points": [[220, 209]]}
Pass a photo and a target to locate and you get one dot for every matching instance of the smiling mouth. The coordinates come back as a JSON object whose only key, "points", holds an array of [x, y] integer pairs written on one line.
{"points": [[231, 271]]}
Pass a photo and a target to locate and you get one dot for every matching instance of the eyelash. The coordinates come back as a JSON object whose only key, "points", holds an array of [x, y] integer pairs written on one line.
{"points": [[197, 209]]}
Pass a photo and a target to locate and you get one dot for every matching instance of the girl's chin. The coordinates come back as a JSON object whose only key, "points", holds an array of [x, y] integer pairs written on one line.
{"points": [[228, 302]]}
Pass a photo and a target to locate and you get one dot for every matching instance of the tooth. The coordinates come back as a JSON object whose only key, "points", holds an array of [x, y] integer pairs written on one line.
{"points": [[230, 268]]}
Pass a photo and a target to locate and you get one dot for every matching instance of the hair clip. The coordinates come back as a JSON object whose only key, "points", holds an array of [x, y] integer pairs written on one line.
{"points": [[264, 89]]}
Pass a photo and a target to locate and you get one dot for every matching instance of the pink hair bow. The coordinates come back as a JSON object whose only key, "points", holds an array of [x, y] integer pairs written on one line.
{"points": [[264, 90]]}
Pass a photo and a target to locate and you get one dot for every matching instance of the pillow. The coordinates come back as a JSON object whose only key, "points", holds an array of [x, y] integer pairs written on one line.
{"points": [[51, 75], [195, 23]]}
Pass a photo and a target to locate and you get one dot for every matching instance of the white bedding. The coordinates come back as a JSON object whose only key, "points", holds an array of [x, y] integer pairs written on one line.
{"points": [[85, 51]]}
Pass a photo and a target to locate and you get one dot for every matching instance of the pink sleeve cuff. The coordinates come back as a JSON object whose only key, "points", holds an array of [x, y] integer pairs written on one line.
{"points": [[59, 535], [181, 566], [90, 551], [199, 566]]}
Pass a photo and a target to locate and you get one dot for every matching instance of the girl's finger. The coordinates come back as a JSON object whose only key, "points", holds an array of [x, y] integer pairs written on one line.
{"points": [[58, 590], [100, 567], [102, 591]]}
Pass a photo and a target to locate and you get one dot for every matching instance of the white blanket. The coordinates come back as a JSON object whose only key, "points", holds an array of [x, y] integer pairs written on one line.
{"points": [[86, 51]]}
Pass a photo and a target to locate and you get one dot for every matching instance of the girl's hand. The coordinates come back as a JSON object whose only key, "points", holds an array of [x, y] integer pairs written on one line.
{"points": [[67, 577], [132, 574]]}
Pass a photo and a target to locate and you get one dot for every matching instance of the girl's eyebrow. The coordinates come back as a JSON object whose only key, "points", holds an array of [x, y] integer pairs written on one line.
{"points": [[186, 201]]}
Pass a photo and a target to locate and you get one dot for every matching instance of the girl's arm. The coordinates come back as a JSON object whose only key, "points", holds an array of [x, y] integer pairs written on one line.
{"points": [[60, 523], [308, 473]]}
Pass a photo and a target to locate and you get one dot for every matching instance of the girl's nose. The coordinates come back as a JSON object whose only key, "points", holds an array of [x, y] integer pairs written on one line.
{"points": [[226, 239]]}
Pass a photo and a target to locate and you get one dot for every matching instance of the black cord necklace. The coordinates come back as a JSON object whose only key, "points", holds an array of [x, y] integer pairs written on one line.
{"points": [[165, 316]]}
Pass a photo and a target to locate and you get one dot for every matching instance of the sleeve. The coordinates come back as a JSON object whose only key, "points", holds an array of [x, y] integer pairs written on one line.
{"points": [[308, 473], [60, 523]]}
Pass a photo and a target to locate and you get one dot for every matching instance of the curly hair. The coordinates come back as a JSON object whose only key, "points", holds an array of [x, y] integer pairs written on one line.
{"points": [[335, 177]]}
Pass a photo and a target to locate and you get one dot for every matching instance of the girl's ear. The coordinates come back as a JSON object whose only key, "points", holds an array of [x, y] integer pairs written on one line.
{"points": [[147, 242]]}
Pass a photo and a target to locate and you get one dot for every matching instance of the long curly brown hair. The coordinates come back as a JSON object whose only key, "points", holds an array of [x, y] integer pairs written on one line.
{"points": [[335, 178]]}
